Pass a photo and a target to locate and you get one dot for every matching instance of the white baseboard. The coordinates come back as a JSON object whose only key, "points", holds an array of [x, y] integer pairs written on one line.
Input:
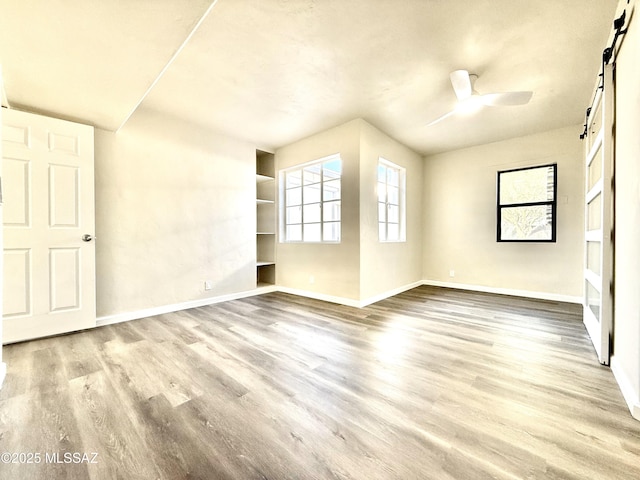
{"points": [[631, 396], [3, 373], [506, 291], [150, 312], [350, 302], [389, 293], [135, 315]]}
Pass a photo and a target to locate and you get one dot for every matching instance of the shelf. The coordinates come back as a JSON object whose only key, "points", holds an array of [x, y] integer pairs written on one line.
{"points": [[264, 263], [265, 219], [263, 178]]}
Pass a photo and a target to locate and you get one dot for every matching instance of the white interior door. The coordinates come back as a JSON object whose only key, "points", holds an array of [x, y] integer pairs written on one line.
{"points": [[598, 300], [49, 270]]}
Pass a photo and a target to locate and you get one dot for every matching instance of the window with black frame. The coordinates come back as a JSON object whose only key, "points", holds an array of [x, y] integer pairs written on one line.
{"points": [[527, 204]]}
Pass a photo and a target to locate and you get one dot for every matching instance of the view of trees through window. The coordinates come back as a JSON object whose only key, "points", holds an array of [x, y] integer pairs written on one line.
{"points": [[527, 204]]}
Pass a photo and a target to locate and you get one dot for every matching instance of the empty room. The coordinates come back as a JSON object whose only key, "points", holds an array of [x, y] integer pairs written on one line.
{"points": [[320, 239]]}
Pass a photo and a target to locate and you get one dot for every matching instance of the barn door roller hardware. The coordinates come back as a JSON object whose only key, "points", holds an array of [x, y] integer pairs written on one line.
{"points": [[583, 135], [618, 23], [607, 55]]}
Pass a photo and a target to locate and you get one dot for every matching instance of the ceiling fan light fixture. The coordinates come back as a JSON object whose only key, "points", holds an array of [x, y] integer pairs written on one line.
{"points": [[470, 105], [470, 101]]}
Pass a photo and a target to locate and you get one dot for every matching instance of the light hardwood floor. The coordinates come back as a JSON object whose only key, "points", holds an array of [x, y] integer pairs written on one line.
{"points": [[430, 384]]}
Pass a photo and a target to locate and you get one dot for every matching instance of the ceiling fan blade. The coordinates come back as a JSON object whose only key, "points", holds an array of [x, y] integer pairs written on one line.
{"points": [[461, 83], [506, 99], [440, 118]]}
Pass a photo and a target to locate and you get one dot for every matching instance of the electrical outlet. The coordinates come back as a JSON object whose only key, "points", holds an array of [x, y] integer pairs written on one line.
{"points": [[452, 273], [208, 285], [312, 279]]}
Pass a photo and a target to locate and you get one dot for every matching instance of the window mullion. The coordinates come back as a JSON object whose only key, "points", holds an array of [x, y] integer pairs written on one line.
{"points": [[526, 204], [386, 203], [302, 204], [321, 203]]}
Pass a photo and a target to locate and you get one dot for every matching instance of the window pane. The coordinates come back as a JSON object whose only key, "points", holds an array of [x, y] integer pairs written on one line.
{"points": [[294, 197], [595, 120], [312, 213], [594, 214], [382, 173], [593, 257], [393, 232], [331, 212], [393, 177], [331, 190], [312, 193], [294, 233], [294, 179], [530, 185], [595, 169], [332, 169], [593, 300], [526, 223], [312, 232], [382, 212], [382, 192], [331, 232], [382, 231], [294, 215], [393, 195], [311, 174], [393, 212]]}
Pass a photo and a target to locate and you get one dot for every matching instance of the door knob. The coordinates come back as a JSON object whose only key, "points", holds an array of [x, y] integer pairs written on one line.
{"points": [[87, 238]]}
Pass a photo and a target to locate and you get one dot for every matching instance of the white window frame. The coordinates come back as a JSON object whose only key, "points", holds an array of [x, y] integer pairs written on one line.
{"points": [[386, 201], [324, 223]]}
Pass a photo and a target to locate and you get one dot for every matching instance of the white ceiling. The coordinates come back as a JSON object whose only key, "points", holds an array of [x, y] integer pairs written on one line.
{"points": [[274, 71]]}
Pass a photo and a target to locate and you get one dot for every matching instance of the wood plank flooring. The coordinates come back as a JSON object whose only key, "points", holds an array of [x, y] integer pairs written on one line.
{"points": [[431, 384]]}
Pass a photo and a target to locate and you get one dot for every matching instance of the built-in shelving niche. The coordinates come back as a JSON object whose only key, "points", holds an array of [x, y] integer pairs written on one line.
{"points": [[265, 219]]}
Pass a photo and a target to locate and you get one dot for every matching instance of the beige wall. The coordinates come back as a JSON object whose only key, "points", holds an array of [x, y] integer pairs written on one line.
{"points": [[459, 218], [385, 267], [359, 268], [324, 268], [626, 346], [175, 206]]}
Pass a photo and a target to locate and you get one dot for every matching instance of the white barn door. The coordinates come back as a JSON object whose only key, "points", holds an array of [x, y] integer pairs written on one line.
{"points": [[598, 299], [49, 250]]}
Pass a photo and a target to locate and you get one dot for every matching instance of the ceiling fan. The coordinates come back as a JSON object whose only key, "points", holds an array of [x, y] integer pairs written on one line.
{"points": [[470, 101]]}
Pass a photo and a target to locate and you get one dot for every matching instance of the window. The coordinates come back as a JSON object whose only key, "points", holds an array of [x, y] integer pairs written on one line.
{"points": [[312, 201], [391, 202], [527, 204]]}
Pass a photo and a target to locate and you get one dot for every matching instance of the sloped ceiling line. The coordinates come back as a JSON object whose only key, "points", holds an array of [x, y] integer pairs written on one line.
{"points": [[166, 67], [273, 72]]}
